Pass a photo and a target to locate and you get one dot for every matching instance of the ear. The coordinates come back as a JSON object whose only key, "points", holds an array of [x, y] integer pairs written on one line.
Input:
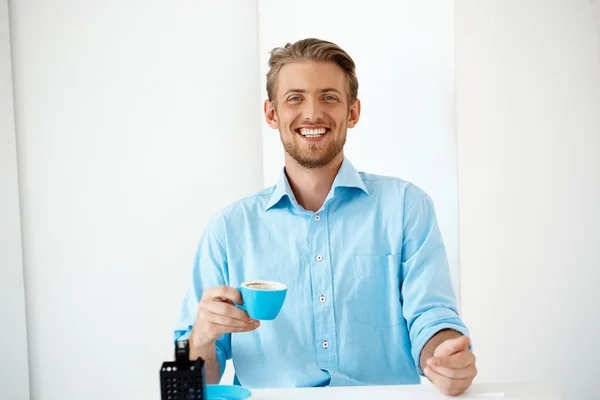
{"points": [[354, 114], [271, 115]]}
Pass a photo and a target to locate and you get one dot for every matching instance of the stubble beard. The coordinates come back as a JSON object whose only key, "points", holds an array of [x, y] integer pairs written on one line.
{"points": [[314, 156]]}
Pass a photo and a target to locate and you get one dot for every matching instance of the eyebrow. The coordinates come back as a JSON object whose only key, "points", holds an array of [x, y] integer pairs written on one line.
{"points": [[325, 90]]}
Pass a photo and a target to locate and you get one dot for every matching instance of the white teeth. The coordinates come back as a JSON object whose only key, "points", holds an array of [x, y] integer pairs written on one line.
{"points": [[311, 133]]}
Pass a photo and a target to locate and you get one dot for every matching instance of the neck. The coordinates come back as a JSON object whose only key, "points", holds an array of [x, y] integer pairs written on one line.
{"points": [[311, 185]]}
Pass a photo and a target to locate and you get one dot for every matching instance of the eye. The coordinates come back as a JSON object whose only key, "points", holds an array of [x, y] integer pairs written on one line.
{"points": [[330, 97], [294, 98]]}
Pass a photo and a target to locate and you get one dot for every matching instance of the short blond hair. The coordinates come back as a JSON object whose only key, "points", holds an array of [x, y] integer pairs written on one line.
{"points": [[311, 49]]}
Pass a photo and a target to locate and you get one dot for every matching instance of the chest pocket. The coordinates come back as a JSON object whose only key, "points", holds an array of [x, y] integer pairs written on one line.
{"points": [[376, 294]]}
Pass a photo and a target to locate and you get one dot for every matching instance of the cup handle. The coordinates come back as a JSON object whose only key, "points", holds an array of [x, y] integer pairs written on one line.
{"points": [[239, 289]]}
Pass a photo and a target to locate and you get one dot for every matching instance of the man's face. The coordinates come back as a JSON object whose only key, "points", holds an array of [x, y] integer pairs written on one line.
{"points": [[312, 112]]}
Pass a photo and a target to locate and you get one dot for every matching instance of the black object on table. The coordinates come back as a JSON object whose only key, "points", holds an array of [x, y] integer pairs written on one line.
{"points": [[182, 379]]}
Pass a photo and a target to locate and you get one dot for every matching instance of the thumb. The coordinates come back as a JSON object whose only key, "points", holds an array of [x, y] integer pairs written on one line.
{"points": [[452, 346]]}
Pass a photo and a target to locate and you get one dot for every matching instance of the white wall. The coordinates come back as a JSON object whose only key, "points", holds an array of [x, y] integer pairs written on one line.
{"points": [[14, 375], [528, 76], [404, 55], [125, 149], [134, 126], [123, 158]]}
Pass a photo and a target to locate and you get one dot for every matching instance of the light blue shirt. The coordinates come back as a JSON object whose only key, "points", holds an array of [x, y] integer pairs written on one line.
{"points": [[367, 275]]}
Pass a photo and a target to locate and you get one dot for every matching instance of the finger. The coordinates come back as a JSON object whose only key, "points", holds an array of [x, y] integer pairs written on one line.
{"points": [[229, 329], [230, 322], [462, 359], [452, 346], [244, 329], [218, 330], [454, 373], [450, 387], [441, 382], [224, 292], [229, 311]]}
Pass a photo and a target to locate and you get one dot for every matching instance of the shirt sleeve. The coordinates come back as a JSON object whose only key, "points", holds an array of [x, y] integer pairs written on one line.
{"points": [[209, 270], [428, 298]]}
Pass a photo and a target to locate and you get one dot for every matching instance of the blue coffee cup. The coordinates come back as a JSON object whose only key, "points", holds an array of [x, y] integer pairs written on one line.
{"points": [[262, 299]]}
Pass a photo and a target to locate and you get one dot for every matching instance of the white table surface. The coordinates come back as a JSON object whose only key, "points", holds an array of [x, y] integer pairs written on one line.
{"points": [[523, 391], [508, 391]]}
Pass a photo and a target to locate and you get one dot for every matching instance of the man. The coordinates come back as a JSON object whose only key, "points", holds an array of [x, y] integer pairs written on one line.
{"points": [[369, 299]]}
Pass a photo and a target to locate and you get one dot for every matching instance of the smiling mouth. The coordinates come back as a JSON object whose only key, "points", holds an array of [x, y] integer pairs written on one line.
{"points": [[312, 132]]}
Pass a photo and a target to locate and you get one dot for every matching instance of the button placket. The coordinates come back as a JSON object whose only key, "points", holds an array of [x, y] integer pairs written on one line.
{"points": [[322, 280]]}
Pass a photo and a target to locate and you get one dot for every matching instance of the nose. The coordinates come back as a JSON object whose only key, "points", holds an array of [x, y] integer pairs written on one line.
{"points": [[312, 110]]}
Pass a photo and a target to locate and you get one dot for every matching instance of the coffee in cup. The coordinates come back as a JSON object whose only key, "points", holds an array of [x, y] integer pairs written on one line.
{"points": [[262, 299], [261, 286]]}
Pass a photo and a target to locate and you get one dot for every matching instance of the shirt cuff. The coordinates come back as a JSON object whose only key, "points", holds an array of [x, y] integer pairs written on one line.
{"points": [[430, 331], [220, 353], [181, 335], [222, 357]]}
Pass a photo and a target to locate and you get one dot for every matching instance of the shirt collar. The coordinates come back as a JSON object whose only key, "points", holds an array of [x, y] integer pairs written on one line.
{"points": [[347, 176]]}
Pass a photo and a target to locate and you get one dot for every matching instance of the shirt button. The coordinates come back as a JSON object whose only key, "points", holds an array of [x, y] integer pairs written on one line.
{"points": [[317, 217], [319, 258], [322, 299], [325, 344]]}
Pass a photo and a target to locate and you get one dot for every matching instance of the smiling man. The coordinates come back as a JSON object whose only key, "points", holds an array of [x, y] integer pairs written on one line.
{"points": [[370, 300]]}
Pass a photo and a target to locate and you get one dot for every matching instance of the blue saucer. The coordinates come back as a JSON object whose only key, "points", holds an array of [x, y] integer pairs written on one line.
{"points": [[226, 392]]}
